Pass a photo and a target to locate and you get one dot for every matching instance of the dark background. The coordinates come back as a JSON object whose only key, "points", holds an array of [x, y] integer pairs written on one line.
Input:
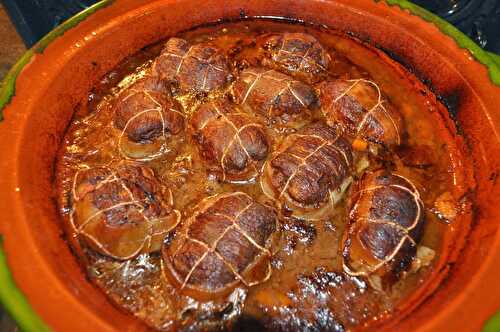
{"points": [[480, 19]]}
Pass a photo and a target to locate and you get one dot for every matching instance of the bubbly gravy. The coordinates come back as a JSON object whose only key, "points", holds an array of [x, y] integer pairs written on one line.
{"points": [[308, 289]]}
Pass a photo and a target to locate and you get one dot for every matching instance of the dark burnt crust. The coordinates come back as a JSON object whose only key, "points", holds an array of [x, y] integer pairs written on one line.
{"points": [[297, 54], [191, 68], [272, 94], [228, 241], [231, 140], [359, 107], [121, 210], [144, 111], [302, 230], [308, 166], [386, 221]]}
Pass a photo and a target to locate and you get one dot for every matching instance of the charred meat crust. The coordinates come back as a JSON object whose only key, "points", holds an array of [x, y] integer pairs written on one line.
{"points": [[359, 107], [228, 241], [232, 140], [386, 222], [191, 68], [297, 54], [122, 210], [308, 165], [144, 111], [271, 93]]}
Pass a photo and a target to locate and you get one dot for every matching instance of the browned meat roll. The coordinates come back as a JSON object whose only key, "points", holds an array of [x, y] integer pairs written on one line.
{"points": [[297, 54], [360, 109], [122, 211], [386, 221], [191, 68], [146, 115], [233, 141], [272, 94], [228, 241], [309, 171]]}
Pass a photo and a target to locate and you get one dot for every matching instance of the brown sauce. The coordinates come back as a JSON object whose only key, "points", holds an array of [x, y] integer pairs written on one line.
{"points": [[308, 289]]}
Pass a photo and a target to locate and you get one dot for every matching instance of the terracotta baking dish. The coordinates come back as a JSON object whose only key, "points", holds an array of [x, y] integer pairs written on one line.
{"points": [[57, 73]]}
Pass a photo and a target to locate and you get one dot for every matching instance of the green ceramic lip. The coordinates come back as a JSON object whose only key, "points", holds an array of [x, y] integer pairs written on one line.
{"points": [[7, 90], [13, 299], [490, 60], [493, 324]]}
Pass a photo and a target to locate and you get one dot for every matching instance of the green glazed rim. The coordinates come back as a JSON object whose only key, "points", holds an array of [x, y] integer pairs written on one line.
{"points": [[11, 298], [14, 301], [490, 60], [8, 86]]}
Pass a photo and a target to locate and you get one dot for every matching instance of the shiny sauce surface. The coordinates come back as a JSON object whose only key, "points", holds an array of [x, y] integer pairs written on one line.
{"points": [[308, 289]]}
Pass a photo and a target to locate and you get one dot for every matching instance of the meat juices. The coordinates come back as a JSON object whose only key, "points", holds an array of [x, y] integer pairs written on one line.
{"points": [[308, 169], [191, 68], [233, 141], [248, 126], [147, 116], [297, 54], [122, 211], [386, 221], [228, 241], [272, 94], [360, 109]]}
